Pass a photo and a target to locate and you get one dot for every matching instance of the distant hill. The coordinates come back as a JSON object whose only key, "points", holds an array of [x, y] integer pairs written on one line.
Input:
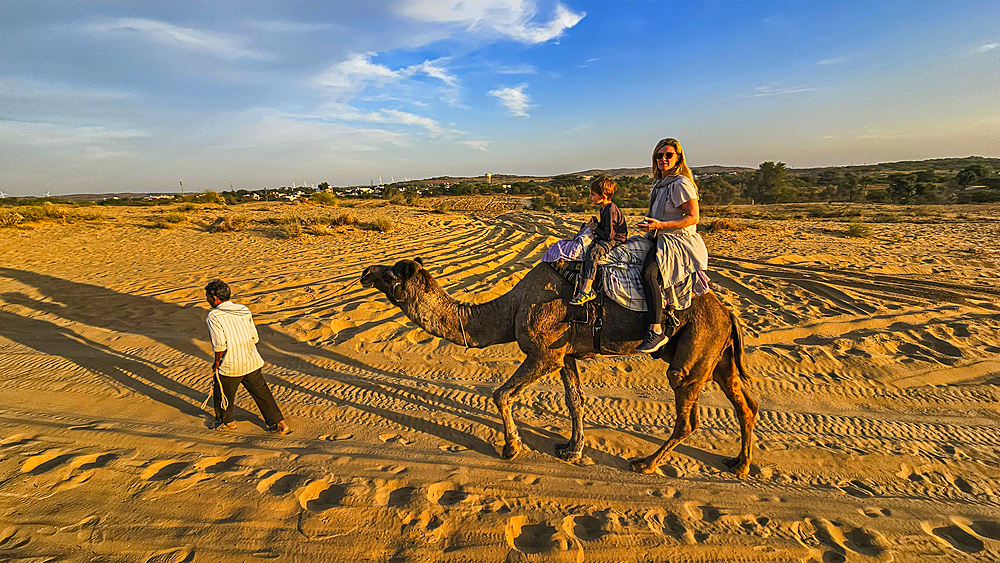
{"points": [[648, 171]]}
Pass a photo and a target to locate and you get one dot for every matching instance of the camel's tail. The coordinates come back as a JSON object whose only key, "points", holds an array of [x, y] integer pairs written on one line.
{"points": [[738, 348]]}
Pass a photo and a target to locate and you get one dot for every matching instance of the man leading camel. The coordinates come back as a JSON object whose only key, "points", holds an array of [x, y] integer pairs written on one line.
{"points": [[234, 339]]}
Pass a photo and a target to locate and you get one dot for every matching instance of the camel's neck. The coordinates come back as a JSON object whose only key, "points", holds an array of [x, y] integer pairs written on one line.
{"points": [[473, 325]]}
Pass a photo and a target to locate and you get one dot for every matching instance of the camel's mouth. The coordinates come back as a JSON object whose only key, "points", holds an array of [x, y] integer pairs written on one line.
{"points": [[368, 278]]}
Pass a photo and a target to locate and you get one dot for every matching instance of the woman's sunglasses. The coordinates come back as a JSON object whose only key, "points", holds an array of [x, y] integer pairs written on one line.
{"points": [[665, 155]]}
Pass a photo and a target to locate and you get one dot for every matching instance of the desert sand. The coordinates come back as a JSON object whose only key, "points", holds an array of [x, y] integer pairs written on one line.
{"points": [[877, 363]]}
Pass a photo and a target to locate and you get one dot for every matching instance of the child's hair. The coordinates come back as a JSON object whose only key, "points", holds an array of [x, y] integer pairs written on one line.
{"points": [[603, 185]]}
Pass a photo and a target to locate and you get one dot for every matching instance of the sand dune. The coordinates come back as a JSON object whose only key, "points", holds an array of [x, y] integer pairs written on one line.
{"points": [[877, 359]]}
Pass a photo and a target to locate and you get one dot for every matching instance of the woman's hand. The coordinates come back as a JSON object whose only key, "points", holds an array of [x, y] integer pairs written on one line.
{"points": [[649, 224]]}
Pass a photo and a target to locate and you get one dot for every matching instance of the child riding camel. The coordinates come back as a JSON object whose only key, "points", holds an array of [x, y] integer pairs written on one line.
{"points": [[609, 231]]}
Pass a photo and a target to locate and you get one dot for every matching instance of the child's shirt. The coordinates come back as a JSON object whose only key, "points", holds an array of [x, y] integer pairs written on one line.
{"points": [[611, 224]]}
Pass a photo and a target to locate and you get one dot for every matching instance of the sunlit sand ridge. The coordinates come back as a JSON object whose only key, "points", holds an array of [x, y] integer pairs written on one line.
{"points": [[877, 362]]}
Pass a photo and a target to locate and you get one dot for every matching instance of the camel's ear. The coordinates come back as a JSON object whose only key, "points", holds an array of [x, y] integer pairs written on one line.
{"points": [[419, 260], [405, 269]]}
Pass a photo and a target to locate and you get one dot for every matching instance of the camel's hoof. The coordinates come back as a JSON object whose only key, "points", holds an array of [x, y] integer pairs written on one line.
{"points": [[643, 465], [569, 452], [510, 450], [737, 465]]}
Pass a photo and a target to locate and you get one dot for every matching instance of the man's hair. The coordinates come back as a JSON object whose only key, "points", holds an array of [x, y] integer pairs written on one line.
{"points": [[219, 289], [603, 185]]}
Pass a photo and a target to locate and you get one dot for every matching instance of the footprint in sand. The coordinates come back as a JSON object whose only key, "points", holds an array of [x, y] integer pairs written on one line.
{"points": [[394, 440], [43, 462], [214, 465], [176, 555], [404, 497], [822, 532], [986, 528], [278, 483], [93, 461], [163, 470], [9, 539], [589, 527], [955, 536], [530, 538], [321, 495], [875, 512], [336, 438], [446, 493]]}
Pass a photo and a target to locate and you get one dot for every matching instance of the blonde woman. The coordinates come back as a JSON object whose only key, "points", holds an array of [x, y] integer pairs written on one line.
{"points": [[671, 222]]}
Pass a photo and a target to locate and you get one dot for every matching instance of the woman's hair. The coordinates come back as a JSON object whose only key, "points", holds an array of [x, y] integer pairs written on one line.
{"points": [[679, 169], [603, 185]]}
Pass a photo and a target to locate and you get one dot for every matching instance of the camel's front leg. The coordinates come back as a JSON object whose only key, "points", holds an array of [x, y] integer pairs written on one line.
{"points": [[530, 370], [573, 450]]}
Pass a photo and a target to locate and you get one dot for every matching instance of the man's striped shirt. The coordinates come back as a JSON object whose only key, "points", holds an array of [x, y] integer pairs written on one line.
{"points": [[231, 328]]}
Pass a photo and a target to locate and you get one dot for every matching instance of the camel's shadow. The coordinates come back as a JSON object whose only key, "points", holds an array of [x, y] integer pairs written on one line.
{"points": [[175, 326]]}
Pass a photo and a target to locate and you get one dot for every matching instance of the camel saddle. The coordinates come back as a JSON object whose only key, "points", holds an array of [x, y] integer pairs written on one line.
{"points": [[590, 313]]}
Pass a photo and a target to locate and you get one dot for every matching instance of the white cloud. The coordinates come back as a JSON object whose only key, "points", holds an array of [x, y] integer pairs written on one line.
{"points": [[832, 61], [17, 88], [510, 18], [217, 44], [988, 47], [515, 69], [774, 90], [477, 145], [356, 73], [88, 141], [514, 99], [349, 77], [275, 130], [284, 26], [879, 135]]}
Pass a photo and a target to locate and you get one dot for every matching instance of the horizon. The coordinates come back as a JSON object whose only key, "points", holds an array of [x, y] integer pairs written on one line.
{"points": [[117, 98]]}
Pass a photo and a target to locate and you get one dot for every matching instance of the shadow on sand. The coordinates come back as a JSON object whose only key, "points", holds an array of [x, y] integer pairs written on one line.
{"points": [[174, 325]]}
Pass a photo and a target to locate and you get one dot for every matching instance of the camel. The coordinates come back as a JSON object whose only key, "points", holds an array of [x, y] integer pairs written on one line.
{"points": [[707, 343]]}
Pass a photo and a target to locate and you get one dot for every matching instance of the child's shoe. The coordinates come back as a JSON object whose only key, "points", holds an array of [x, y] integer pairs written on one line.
{"points": [[581, 298]]}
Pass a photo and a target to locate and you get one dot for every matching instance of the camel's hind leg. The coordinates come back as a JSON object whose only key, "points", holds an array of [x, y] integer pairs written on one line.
{"points": [[685, 404], [572, 450], [530, 370], [728, 378]]}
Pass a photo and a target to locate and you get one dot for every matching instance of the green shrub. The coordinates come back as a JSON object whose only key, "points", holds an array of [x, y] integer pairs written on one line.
{"points": [[161, 223], [442, 207], [187, 207], [174, 217]]}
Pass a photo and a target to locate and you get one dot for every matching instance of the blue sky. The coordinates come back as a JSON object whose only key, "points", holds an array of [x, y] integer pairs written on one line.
{"points": [[114, 95]]}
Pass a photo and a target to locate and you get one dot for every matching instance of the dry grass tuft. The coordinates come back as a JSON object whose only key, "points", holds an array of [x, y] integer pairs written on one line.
{"points": [[290, 226], [228, 224], [721, 225], [859, 230], [10, 218], [381, 224], [344, 219]]}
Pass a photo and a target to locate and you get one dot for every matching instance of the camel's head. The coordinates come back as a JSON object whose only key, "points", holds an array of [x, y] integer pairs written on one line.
{"points": [[394, 281]]}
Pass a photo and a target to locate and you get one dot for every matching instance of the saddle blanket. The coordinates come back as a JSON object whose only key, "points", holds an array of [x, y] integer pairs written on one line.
{"points": [[621, 272]]}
